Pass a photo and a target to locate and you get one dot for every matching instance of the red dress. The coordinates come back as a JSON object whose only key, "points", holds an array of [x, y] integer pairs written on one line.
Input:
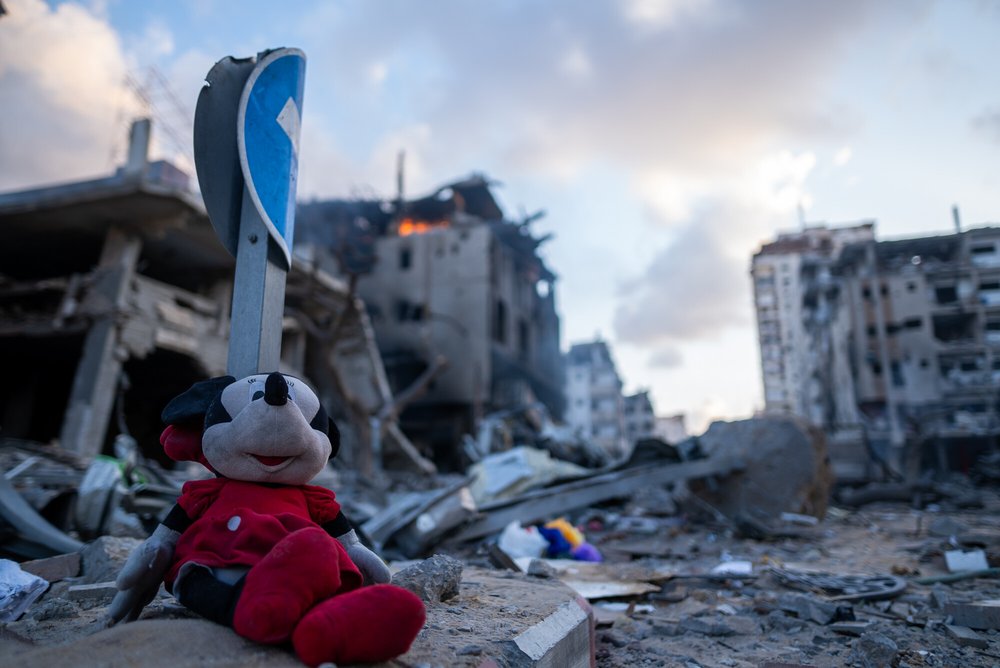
{"points": [[236, 523]]}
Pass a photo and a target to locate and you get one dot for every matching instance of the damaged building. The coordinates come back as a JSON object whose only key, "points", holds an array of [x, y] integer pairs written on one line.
{"points": [[449, 283], [891, 347], [115, 296], [596, 407]]}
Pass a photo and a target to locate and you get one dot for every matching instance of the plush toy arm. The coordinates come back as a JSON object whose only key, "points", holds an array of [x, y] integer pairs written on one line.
{"points": [[142, 574], [371, 566]]}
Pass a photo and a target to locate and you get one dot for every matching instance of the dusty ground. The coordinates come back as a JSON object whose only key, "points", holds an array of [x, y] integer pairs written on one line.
{"points": [[698, 622], [691, 621]]}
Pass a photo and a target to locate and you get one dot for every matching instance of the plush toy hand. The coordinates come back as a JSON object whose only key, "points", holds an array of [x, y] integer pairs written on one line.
{"points": [[142, 574], [371, 566]]}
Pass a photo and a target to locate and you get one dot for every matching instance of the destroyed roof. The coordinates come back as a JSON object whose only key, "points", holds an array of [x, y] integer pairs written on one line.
{"points": [[471, 196], [66, 224], [822, 238], [333, 223], [943, 248]]}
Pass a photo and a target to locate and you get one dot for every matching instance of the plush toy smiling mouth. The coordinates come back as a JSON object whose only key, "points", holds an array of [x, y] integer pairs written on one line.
{"points": [[270, 461]]}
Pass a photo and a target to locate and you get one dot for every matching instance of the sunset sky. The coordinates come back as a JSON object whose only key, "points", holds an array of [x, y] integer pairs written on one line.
{"points": [[666, 139]]}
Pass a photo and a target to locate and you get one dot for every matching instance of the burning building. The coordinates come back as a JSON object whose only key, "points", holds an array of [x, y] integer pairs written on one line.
{"points": [[448, 276]]}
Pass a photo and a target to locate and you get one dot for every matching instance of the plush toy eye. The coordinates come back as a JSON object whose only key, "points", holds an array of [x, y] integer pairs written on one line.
{"points": [[255, 389]]}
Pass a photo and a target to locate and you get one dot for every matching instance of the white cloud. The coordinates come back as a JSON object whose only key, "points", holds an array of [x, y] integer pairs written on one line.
{"points": [[662, 13], [377, 73], [576, 63], [62, 73], [843, 156]]}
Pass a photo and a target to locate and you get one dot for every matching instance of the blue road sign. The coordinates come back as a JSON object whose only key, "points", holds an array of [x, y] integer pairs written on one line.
{"points": [[268, 139]]}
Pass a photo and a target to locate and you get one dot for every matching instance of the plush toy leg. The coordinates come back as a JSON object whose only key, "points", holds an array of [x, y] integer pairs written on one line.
{"points": [[199, 590], [367, 625], [300, 570]]}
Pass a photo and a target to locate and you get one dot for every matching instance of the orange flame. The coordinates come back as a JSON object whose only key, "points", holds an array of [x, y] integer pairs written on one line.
{"points": [[409, 226]]}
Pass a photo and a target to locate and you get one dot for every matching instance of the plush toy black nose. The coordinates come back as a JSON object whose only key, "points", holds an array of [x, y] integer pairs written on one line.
{"points": [[276, 390]]}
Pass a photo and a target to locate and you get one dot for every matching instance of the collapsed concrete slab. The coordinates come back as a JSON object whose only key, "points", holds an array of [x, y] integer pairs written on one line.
{"points": [[787, 467]]}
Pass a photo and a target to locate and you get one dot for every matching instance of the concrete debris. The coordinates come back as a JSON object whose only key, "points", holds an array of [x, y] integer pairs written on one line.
{"points": [[54, 569], [812, 609], [36, 537], [875, 650], [979, 615], [99, 591], [433, 580], [774, 448], [506, 475], [103, 558], [966, 637], [856, 629], [556, 500]]}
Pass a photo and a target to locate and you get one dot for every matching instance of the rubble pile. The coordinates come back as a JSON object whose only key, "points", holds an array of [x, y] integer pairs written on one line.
{"points": [[692, 558]]}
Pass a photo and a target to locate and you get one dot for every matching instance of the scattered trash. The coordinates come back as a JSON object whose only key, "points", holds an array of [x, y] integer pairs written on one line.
{"points": [[798, 518], [517, 541], [843, 587], [960, 561], [734, 567], [18, 590]]}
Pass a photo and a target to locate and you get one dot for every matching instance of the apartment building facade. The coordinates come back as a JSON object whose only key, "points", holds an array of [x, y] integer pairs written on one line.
{"points": [[900, 343]]}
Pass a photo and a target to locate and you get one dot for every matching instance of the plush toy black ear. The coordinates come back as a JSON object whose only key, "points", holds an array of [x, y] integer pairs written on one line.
{"points": [[191, 405], [334, 439], [322, 422]]}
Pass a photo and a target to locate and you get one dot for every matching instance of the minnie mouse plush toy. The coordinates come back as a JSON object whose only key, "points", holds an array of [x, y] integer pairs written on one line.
{"points": [[257, 548]]}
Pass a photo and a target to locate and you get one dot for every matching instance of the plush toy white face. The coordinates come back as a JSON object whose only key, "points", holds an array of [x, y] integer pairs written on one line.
{"points": [[267, 428]]}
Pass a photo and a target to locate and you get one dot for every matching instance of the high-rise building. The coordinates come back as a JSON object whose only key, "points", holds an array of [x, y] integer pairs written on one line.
{"points": [[595, 407], [896, 342], [792, 282]]}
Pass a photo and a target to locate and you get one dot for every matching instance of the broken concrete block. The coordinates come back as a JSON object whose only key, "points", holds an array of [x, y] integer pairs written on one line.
{"points": [[939, 597], [103, 558], [815, 610], [875, 650], [773, 448], [966, 637], [563, 639], [99, 591], [706, 627], [433, 580], [856, 629], [979, 615], [56, 568], [538, 568]]}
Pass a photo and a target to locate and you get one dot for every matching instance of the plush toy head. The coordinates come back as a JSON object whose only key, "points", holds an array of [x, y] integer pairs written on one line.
{"points": [[267, 428]]}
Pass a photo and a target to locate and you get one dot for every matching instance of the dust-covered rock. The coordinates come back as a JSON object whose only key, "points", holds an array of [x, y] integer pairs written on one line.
{"points": [[773, 448], [103, 558], [434, 580]]}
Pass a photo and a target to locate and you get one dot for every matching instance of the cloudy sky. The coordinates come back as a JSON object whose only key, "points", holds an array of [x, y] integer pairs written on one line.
{"points": [[666, 139]]}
